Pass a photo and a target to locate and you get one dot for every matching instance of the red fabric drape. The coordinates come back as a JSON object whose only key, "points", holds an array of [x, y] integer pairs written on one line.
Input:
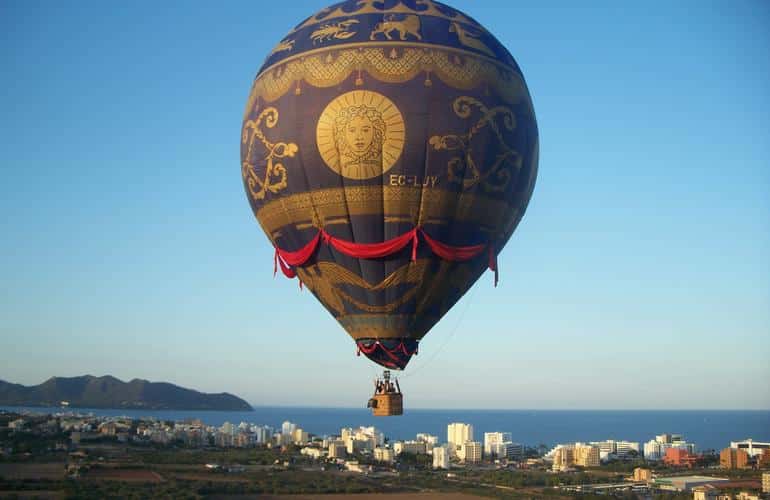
{"points": [[372, 250], [287, 260], [453, 253], [285, 269], [302, 255]]}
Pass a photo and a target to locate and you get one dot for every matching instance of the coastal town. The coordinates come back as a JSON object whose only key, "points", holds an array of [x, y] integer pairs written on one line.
{"points": [[80, 454]]}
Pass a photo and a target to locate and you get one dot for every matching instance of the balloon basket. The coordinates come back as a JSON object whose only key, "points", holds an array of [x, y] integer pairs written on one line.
{"points": [[387, 400]]}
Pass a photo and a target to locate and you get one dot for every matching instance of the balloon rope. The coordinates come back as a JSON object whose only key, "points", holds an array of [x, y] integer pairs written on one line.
{"points": [[404, 375]]}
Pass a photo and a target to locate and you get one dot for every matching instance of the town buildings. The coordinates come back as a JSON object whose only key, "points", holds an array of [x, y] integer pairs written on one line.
{"points": [[679, 457], [457, 434], [414, 447], [429, 440], [641, 474], [734, 458], [470, 452], [751, 447], [440, 457], [656, 448], [566, 456], [337, 449], [611, 449], [492, 439], [386, 455]]}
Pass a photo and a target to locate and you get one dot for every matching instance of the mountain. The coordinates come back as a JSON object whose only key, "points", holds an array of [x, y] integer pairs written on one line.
{"points": [[109, 392]]}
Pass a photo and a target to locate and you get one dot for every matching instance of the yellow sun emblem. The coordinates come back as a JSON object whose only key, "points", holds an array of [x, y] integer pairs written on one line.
{"points": [[360, 134]]}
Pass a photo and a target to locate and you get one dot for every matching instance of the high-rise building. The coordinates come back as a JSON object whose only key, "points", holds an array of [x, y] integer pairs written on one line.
{"points": [[337, 449], [656, 449], [263, 434], [766, 482], [299, 436], [563, 457], [508, 450], [457, 434], [492, 439], [567, 455], [470, 452], [440, 457], [734, 458], [288, 428], [586, 455]]}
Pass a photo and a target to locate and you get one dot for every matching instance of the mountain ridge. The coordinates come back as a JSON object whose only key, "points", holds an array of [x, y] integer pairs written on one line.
{"points": [[88, 391]]}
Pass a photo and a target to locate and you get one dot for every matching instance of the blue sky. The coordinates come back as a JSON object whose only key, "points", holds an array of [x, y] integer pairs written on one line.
{"points": [[639, 277]]}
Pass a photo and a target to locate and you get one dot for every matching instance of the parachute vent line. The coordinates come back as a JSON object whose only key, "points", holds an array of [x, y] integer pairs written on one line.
{"points": [[286, 260]]}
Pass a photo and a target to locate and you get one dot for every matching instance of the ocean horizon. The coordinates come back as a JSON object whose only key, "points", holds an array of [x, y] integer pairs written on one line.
{"points": [[708, 429]]}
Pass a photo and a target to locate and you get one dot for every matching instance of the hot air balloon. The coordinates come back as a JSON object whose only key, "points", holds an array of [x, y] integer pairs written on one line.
{"points": [[389, 149]]}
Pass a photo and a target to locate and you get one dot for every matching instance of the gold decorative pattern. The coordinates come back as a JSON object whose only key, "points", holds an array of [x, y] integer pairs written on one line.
{"points": [[402, 202], [283, 45], [360, 134], [325, 278], [463, 168], [469, 38], [329, 67], [372, 7], [335, 31], [408, 25], [274, 179]]}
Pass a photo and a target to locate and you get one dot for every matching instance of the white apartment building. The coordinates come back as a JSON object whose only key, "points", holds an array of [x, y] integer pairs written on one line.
{"points": [[656, 449], [337, 449], [416, 447], [299, 436], [384, 455], [354, 445], [457, 434], [492, 439], [508, 449], [288, 428], [611, 448], [470, 452], [440, 457], [262, 434], [429, 440], [753, 448]]}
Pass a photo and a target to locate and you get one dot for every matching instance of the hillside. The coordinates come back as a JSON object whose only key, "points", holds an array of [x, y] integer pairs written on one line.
{"points": [[109, 392]]}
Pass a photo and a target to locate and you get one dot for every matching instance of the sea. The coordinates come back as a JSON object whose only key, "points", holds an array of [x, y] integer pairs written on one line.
{"points": [[708, 429]]}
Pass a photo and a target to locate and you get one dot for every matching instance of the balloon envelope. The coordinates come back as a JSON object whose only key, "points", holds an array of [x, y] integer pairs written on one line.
{"points": [[389, 150]]}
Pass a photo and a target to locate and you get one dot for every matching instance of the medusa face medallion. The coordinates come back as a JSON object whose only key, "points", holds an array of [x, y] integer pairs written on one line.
{"points": [[360, 134]]}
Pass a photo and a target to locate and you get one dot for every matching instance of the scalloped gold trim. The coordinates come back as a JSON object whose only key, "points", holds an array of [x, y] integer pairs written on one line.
{"points": [[419, 205], [390, 63]]}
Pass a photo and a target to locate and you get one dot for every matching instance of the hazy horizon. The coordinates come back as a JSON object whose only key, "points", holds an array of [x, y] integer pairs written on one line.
{"points": [[639, 277]]}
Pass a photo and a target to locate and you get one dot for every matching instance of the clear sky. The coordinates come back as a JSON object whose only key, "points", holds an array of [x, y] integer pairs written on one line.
{"points": [[639, 277]]}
